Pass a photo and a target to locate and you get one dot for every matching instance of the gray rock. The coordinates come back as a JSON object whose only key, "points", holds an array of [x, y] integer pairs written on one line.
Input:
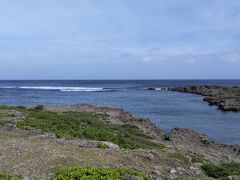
{"points": [[173, 171], [7, 127], [150, 156]]}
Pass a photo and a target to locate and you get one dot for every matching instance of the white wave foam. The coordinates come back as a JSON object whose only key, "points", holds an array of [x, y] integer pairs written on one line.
{"points": [[82, 89], [8, 87], [157, 89], [64, 89], [161, 89]]}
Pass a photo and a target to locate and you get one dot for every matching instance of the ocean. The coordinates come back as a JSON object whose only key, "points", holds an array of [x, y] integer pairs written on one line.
{"points": [[164, 108]]}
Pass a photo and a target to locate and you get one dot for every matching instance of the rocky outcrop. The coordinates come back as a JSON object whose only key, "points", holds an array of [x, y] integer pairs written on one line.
{"points": [[195, 143], [7, 127], [226, 98], [174, 162], [182, 139]]}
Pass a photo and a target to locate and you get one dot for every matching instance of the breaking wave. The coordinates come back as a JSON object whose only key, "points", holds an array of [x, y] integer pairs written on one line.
{"points": [[63, 89], [157, 89]]}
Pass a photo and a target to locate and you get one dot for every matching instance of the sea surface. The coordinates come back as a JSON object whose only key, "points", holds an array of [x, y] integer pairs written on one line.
{"points": [[164, 108]]}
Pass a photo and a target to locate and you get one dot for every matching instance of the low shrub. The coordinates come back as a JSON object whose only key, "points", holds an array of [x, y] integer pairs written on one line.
{"points": [[5, 176], [6, 115], [197, 159], [92, 173], [222, 170], [5, 107], [39, 107], [21, 107], [86, 125], [3, 122]]}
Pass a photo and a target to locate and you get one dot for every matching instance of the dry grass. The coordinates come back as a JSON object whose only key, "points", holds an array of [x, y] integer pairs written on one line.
{"points": [[40, 157]]}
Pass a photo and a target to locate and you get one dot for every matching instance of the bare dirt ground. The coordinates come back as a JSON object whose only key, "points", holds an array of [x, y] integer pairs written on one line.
{"points": [[39, 157]]}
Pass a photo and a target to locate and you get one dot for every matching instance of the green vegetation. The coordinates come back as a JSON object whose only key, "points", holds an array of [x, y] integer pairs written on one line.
{"points": [[5, 115], [86, 125], [222, 170], [181, 157], [103, 146], [5, 176], [2, 122], [21, 107], [96, 174], [5, 107], [39, 108], [197, 158]]}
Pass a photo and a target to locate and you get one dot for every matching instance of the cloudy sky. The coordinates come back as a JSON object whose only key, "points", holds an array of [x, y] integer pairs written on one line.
{"points": [[119, 39]]}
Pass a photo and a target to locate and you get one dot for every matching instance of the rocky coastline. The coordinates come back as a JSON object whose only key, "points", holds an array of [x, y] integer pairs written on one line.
{"points": [[184, 153], [226, 98]]}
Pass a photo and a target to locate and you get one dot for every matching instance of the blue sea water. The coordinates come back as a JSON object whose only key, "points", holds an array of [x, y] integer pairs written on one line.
{"points": [[164, 108]]}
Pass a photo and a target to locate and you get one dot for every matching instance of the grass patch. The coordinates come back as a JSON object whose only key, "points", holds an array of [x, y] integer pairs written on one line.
{"points": [[97, 173], [86, 125], [5, 107], [198, 159], [5, 115], [3, 122], [5, 176], [222, 170], [102, 146], [179, 156]]}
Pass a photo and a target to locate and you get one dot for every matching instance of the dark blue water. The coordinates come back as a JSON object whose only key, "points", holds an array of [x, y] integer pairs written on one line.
{"points": [[166, 109]]}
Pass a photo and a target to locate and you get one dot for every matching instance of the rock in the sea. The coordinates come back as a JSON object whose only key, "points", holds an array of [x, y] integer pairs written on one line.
{"points": [[226, 98], [151, 88]]}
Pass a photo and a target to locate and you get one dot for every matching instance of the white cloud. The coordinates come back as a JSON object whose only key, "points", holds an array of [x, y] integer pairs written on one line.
{"points": [[232, 57]]}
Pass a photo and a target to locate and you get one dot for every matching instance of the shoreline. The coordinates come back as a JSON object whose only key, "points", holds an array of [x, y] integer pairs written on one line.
{"points": [[188, 138], [120, 116], [226, 98], [181, 153]]}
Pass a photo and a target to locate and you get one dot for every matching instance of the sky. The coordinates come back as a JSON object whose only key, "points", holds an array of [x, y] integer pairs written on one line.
{"points": [[119, 39]]}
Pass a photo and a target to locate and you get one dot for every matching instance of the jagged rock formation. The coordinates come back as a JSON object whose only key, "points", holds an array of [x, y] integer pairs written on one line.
{"points": [[226, 98]]}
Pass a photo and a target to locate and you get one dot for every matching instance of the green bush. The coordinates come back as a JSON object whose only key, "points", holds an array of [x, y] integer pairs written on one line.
{"points": [[5, 176], [21, 107], [6, 115], [86, 125], [39, 108], [3, 122], [222, 170], [91, 173], [5, 107]]}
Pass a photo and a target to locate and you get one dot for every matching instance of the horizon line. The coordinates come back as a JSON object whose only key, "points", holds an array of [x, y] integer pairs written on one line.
{"points": [[114, 79]]}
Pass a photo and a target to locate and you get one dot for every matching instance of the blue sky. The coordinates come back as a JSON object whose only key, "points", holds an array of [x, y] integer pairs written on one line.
{"points": [[119, 39]]}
